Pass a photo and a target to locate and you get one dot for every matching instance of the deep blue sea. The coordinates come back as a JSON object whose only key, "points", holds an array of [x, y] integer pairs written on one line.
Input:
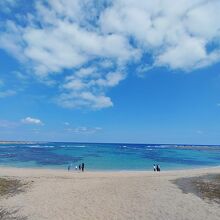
{"points": [[108, 156]]}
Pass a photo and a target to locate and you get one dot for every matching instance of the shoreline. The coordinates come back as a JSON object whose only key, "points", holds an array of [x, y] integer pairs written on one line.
{"points": [[108, 171], [20, 170]]}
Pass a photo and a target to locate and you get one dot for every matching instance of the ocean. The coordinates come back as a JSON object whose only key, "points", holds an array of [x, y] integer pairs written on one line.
{"points": [[112, 157]]}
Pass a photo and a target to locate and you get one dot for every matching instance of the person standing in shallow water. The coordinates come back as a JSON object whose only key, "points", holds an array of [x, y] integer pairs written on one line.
{"points": [[80, 167], [83, 166]]}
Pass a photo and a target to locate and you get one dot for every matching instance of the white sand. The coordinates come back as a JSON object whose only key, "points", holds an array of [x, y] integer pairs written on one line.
{"points": [[60, 195]]}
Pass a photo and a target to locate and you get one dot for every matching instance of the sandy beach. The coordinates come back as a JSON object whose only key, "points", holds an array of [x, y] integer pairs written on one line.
{"points": [[58, 194]]}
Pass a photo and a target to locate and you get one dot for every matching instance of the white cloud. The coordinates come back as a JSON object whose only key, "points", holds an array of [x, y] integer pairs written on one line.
{"points": [[20, 75], [83, 99], [178, 56], [85, 88], [90, 44], [7, 93], [107, 64], [202, 20], [6, 5], [32, 121], [64, 44], [84, 130], [143, 69], [175, 36]]}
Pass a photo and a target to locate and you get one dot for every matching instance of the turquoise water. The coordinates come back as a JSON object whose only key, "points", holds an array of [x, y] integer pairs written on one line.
{"points": [[108, 156]]}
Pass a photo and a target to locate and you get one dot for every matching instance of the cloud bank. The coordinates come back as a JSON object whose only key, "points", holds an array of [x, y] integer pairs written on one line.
{"points": [[90, 44]]}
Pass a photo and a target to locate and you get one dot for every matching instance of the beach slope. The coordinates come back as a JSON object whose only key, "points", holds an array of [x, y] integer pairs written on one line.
{"points": [[54, 194]]}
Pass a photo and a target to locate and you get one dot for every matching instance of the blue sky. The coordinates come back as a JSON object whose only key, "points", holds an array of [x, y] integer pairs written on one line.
{"points": [[117, 71]]}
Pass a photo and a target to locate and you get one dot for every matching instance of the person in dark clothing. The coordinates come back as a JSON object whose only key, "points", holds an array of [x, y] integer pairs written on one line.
{"points": [[83, 166], [80, 167], [158, 168], [68, 168]]}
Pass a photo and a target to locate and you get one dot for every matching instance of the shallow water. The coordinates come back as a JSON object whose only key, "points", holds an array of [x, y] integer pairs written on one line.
{"points": [[108, 156]]}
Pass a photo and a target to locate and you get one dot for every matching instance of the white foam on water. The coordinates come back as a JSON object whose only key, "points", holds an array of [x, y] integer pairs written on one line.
{"points": [[5, 147], [80, 146], [49, 146], [72, 146], [33, 146], [40, 146], [134, 148], [156, 146]]}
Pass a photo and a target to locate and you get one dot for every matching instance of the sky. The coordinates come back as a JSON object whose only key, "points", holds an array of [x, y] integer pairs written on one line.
{"points": [[132, 71]]}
